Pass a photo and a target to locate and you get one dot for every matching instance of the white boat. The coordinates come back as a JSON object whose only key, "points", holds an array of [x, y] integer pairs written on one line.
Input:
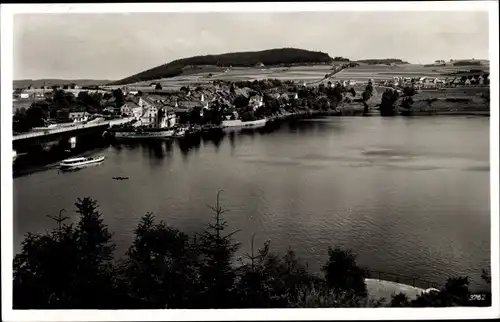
{"points": [[179, 132], [239, 123], [82, 161], [144, 134]]}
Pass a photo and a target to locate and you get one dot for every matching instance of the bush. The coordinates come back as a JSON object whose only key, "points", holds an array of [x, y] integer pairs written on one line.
{"points": [[387, 105], [342, 274]]}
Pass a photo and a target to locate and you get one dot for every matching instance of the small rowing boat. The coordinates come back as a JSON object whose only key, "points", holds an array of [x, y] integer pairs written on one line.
{"points": [[120, 178], [82, 161]]}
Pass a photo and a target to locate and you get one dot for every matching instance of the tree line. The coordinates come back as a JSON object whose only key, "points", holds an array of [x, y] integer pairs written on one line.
{"points": [[386, 61], [58, 104], [73, 267]]}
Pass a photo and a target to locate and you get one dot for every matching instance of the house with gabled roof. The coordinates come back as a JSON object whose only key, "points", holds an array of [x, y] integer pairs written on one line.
{"points": [[131, 109]]}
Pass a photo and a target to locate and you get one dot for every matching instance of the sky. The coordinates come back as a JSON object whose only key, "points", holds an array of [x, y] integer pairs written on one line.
{"points": [[115, 46]]}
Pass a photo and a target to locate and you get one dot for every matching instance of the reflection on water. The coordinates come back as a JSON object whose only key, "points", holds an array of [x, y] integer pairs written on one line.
{"points": [[409, 196], [77, 168]]}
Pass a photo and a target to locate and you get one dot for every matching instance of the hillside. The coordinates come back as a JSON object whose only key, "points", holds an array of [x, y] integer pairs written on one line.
{"points": [[469, 62], [271, 57], [382, 61], [37, 83]]}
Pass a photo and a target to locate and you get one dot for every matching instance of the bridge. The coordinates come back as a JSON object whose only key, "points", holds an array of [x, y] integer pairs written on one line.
{"points": [[71, 128]]}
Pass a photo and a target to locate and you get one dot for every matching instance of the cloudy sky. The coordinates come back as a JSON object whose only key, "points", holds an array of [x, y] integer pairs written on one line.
{"points": [[114, 46]]}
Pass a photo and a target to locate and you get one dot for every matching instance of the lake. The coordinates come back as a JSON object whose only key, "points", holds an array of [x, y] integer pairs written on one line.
{"points": [[408, 195]]}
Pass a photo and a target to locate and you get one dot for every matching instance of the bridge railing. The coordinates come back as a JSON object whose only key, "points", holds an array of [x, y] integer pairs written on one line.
{"points": [[403, 279], [58, 130], [69, 128]]}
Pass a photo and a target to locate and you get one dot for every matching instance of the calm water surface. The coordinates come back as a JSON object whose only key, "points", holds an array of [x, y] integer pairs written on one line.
{"points": [[410, 196]]}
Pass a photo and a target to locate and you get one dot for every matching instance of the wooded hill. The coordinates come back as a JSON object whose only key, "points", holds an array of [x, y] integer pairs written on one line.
{"points": [[271, 57]]}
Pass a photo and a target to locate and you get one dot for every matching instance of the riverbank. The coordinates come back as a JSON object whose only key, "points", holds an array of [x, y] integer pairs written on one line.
{"points": [[40, 160], [382, 290]]}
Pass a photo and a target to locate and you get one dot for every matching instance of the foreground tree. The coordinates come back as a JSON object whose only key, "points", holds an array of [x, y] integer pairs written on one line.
{"points": [[216, 273], [83, 279], [267, 280], [159, 267], [72, 268], [342, 273]]}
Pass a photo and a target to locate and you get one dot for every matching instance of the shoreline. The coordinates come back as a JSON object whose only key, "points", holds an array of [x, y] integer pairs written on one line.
{"points": [[22, 170]]}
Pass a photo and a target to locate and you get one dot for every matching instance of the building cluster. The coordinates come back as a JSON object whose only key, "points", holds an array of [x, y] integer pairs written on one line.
{"points": [[39, 93], [434, 82], [145, 108]]}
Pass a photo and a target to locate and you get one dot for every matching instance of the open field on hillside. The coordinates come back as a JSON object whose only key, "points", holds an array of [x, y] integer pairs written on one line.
{"points": [[307, 73], [365, 72]]}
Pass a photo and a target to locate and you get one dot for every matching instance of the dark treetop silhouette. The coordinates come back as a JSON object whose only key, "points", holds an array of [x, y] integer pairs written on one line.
{"points": [[72, 267]]}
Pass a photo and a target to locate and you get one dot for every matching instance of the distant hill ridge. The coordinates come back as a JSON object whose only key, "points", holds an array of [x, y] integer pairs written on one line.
{"points": [[270, 57], [38, 83], [376, 61]]}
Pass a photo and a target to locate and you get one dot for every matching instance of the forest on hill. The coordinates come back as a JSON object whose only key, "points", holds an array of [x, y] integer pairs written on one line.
{"points": [[271, 57], [386, 61], [49, 82]]}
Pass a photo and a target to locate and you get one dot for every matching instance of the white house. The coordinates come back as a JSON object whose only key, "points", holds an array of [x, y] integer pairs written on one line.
{"points": [[145, 103], [131, 109], [154, 114], [467, 82], [256, 101], [430, 82], [149, 115], [24, 95]]}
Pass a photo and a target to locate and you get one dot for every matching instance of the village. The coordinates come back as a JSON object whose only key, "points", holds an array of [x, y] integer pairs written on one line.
{"points": [[201, 157], [224, 103]]}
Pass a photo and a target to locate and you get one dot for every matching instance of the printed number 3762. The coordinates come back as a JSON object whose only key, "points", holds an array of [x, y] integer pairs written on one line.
{"points": [[476, 297]]}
